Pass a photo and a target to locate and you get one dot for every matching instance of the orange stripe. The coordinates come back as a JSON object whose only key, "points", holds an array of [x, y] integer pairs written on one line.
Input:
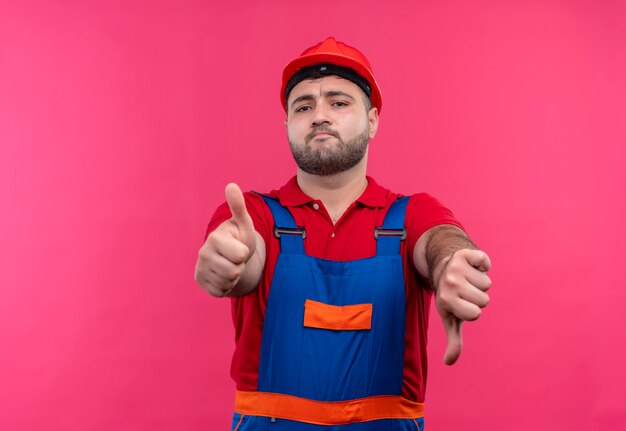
{"points": [[239, 423], [346, 317], [326, 412]]}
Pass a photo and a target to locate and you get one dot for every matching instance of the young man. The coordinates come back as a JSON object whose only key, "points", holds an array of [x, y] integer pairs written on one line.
{"points": [[332, 275]]}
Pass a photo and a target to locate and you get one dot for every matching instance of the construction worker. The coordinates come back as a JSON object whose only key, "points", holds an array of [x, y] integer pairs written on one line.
{"points": [[332, 275]]}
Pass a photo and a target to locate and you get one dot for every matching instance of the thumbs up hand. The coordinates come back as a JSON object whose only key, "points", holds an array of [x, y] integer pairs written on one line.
{"points": [[461, 294], [223, 258]]}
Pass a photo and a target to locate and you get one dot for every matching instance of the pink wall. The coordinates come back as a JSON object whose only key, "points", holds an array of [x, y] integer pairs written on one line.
{"points": [[121, 122]]}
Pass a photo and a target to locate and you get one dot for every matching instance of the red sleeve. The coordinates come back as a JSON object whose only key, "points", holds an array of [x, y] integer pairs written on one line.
{"points": [[424, 212]]}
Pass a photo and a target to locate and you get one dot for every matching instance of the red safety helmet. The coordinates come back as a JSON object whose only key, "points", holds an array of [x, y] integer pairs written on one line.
{"points": [[331, 51]]}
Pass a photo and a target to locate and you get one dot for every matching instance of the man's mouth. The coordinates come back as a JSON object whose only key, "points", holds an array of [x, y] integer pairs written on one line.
{"points": [[320, 134]]}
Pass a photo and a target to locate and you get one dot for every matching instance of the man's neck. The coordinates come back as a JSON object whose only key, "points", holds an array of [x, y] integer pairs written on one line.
{"points": [[337, 191]]}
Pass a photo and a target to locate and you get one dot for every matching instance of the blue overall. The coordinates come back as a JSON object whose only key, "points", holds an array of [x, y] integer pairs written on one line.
{"points": [[329, 365]]}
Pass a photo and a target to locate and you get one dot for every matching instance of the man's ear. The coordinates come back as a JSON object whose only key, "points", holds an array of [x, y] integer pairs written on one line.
{"points": [[372, 117]]}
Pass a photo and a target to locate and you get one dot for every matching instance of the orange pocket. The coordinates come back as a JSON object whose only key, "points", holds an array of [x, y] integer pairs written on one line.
{"points": [[346, 317]]}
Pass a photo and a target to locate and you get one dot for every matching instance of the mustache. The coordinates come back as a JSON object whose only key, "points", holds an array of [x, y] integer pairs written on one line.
{"points": [[322, 128]]}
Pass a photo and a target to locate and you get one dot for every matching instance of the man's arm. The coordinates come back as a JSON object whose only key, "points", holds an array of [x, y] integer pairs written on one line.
{"points": [[458, 273], [231, 260]]}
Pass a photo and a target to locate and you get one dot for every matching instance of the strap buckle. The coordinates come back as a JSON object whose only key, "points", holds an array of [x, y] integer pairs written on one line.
{"points": [[379, 231], [278, 231]]}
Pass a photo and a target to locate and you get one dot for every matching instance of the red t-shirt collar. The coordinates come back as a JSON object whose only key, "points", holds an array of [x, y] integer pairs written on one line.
{"points": [[290, 195]]}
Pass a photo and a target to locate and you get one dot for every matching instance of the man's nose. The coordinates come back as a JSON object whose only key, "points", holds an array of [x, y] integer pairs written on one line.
{"points": [[321, 115]]}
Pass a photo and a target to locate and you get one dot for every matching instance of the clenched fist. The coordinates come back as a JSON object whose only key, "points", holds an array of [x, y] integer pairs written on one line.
{"points": [[461, 294], [225, 262]]}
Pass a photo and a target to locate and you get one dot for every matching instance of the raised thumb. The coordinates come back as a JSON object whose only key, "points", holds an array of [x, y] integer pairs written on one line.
{"points": [[237, 205], [454, 345]]}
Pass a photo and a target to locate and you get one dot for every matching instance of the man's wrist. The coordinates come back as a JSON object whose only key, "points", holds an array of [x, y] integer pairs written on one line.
{"points": [[438, 270]]}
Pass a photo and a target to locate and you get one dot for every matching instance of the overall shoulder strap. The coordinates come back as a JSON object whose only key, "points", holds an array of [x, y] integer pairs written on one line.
{"points": [[393, 231], [291, 236]]}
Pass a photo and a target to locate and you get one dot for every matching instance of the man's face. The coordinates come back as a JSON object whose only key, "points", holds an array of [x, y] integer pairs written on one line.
{"points": [[328, 125]]}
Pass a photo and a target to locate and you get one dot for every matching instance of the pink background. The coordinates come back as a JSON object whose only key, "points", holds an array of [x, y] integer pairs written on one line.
{"points": [[121, 122]]}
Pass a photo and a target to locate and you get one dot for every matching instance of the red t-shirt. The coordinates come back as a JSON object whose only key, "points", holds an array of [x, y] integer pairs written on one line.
{"points": [[352, 237]]}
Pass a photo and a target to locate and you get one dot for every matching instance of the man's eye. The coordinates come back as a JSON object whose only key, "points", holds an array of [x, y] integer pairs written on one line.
{"points": [[340, 104], [303, 108]]}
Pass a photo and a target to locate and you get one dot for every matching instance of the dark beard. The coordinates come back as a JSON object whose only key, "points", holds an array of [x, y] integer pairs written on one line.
{"points": [[325, 162]]}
